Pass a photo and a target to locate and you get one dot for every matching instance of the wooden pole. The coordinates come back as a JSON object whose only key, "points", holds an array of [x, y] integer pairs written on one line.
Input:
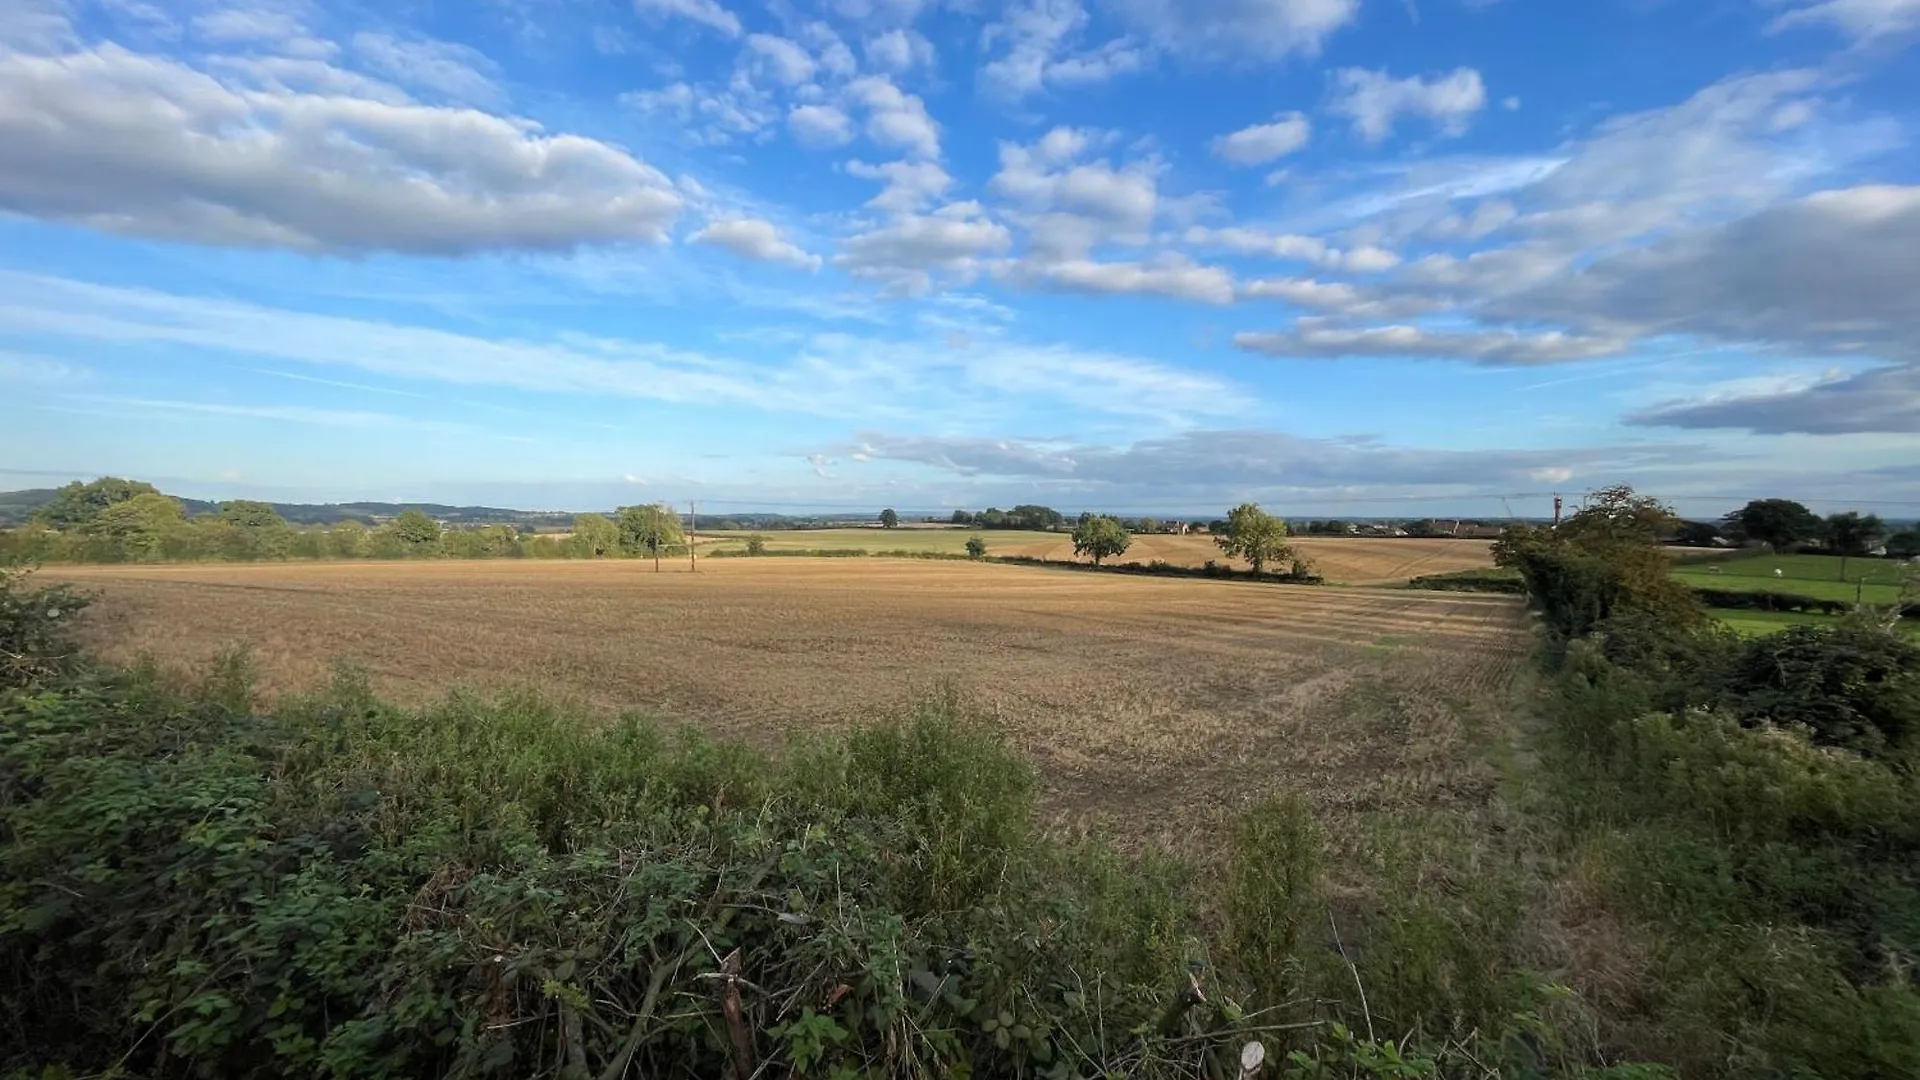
{"points": [[693, 528]]}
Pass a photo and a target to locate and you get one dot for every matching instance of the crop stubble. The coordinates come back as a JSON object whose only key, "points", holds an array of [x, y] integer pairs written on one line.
{"points": [[1143, 700]]}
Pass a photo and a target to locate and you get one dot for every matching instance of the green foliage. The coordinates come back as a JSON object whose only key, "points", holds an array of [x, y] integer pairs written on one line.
{"points": [[976, 548], [1252, 534], [1498, 580], [756, 545], [650, 530], [1602, 561], [144, 528], [1777, 523], [594, 537], [889, 519], [78, 504], [1850, 686], [1852, 533], [35, 643], [1099, 537], [413, 533]]}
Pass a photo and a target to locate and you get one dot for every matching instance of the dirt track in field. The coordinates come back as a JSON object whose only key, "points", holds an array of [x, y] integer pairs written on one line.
{"points": [[1142, 699]]}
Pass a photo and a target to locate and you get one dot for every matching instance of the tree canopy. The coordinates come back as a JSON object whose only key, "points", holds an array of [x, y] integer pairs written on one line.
{"points": [[889, 519], [1252, 534], [1603, 560], [594, 536], [414, 530], [1777, 523], [1100, 537], [76, 504], [650, 530]]}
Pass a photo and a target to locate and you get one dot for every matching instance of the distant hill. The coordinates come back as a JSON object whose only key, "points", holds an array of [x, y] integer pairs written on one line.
{"points": [[16, 507]]}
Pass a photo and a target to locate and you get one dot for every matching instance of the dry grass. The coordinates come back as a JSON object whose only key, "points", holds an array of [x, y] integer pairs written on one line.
{"points": [[1144, 700], [1343, 560]]}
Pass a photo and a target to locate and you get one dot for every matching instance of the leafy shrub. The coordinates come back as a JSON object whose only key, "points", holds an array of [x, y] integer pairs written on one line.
{"points": [[1851, 687], [35, 644]]}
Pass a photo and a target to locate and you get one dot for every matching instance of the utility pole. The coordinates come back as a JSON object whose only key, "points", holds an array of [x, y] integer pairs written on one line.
{"points": [[1556, 511], [693, 526]]}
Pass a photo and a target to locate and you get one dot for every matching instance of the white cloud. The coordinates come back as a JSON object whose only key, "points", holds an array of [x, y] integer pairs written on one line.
{"points": [[1257, 29], [1501, 348], [1090, 201], [906, 253], [1040, 50], [754, 239], [25, 369], [910, 184], [1859, 19], [706, 12], [784, 60], [709, 116], [1244, 240], [454, 71], [821, 463], [1375, 101], [230, 25], [36, 24], [819, 126], [895, 119], [149, 147], [1305, 292], [1261, 143], [899, 51], [1169, 275]]}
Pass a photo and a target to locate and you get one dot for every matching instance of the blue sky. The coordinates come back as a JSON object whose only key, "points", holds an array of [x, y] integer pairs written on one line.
{"points": [[1362, 257]]}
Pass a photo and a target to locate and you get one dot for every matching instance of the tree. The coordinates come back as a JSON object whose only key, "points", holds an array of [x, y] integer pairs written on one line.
{"points": [[594, 537], [976, 548], [889, 519], [347, 540], [1853, 534], [254, 530], [139, 528], [961, 517], [1604, 560], [1254, 535], [415, 532], [1698, 533], [1099, 537], [1904, 545], [756, 545], [76, 504], [650, 530], [1776, 523], [1149, 525]]}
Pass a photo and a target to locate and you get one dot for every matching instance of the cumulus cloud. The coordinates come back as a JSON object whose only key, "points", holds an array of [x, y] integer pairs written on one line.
{"points": [[1375, 101], [1859, 19], [1243, 240], [895, 119], [1071, 205], [906, 253], [1305, 292], [780, 59], [910, 184], [1040, 39], [1169, 275], [753, 239], [899, 51], [1261, 143], [1256, 29], [819, 126], [150, 147], [1493, 348], [453, 71], [705, 12]]}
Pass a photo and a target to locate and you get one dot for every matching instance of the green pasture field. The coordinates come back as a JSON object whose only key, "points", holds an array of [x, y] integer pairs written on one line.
{"points": [[1874, 581]]}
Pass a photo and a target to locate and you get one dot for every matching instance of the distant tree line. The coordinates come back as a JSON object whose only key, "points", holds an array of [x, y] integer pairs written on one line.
{"points": [[1783, 525], [112, 520]]}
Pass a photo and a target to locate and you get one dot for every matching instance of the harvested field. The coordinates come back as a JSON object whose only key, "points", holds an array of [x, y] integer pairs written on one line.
{"points": [[1144, 700], [1343, 560]]}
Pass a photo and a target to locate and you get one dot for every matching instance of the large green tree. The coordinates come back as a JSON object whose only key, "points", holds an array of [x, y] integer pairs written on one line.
{"points": [[889, 519], [1100, 537], [1252, 534], [594, 537], [1853, 533], [139, 528], [254, 530], [1603, 560], [414, 533], [1777, 523], [650, 530], [76, 504]]}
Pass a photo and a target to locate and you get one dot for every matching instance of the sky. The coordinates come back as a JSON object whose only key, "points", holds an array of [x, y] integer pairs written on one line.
{"points": [[1343, 257]]}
